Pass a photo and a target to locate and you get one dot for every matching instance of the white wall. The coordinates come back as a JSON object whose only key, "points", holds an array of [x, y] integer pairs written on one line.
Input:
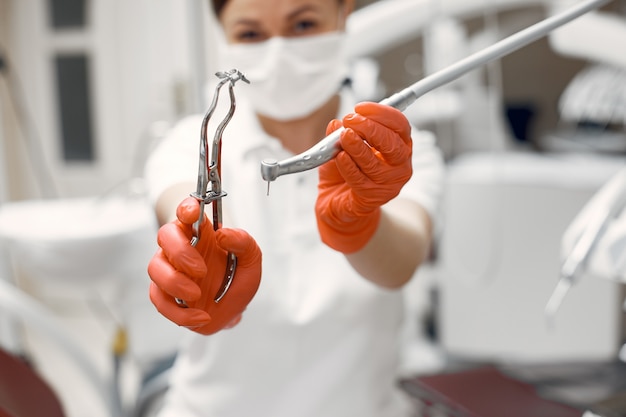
{"points": [[3, 164], [3, 103], [142, 72]]}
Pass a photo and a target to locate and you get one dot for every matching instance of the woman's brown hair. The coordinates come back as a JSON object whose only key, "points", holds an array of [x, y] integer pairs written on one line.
{"points": [[218, 5]]}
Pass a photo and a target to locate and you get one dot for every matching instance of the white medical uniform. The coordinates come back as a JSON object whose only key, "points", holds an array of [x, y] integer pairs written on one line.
{"points": [[317, 340]]}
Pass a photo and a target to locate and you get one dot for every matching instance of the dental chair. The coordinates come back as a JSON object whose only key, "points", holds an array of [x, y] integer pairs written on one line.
{"points": [[23, 393], [87, 258], [500, 259], [29, 312]]}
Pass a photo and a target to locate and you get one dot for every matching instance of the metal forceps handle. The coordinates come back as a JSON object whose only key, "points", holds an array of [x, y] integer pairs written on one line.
{"points": [[209, 185]]}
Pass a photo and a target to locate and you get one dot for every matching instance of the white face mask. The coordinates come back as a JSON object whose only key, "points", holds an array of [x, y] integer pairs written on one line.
{"points": [[289, 77]]}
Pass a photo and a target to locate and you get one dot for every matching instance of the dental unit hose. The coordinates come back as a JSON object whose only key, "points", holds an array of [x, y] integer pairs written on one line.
{"points": [[329, 147]]}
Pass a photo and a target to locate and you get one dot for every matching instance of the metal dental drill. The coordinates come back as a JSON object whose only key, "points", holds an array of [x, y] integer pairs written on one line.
{"points": [[209, 184], [330, 146]]}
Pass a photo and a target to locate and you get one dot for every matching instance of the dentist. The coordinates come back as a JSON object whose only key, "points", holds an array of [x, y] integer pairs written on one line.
{"points": [[310, 325]]}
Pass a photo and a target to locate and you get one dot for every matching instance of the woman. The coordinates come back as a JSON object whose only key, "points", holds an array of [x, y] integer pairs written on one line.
{"points": [[334, 244]]}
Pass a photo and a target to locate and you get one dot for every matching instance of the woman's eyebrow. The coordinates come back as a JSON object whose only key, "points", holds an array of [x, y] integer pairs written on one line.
{"points": [[246, 22], [305, 8]]}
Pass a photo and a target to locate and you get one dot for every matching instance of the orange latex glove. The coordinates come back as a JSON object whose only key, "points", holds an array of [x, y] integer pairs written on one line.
{"points": [[372, 168], [195, 274]]}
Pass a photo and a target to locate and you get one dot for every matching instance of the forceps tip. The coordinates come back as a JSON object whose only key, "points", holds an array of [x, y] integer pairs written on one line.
{"points": [[234, 75]]}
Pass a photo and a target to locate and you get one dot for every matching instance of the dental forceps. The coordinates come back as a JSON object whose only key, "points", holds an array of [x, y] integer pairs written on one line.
{"points": [[209, 185]]}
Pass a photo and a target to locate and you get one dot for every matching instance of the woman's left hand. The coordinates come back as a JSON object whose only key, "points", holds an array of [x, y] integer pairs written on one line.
{"points": [[371, 169]]}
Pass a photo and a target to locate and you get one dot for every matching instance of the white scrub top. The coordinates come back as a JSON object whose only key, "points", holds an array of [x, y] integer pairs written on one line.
{"points": [[317, 339]]}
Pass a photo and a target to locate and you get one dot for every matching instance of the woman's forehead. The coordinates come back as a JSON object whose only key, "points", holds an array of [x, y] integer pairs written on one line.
{"points": [[259, 9]]}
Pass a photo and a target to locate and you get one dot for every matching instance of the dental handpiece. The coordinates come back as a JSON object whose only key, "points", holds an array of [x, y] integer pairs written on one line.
{"points": [[327, 148]]}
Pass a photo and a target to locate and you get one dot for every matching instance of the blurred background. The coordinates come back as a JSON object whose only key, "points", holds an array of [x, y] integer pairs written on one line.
{"points": [[531, 142], [129, 67]]}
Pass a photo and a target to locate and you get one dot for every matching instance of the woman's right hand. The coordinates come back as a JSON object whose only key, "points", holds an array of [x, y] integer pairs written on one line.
{"points": [[194, 274]]}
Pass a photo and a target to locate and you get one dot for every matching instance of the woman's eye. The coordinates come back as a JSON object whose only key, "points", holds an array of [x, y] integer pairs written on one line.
{"points": [[248, 36], [305, 26]]}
